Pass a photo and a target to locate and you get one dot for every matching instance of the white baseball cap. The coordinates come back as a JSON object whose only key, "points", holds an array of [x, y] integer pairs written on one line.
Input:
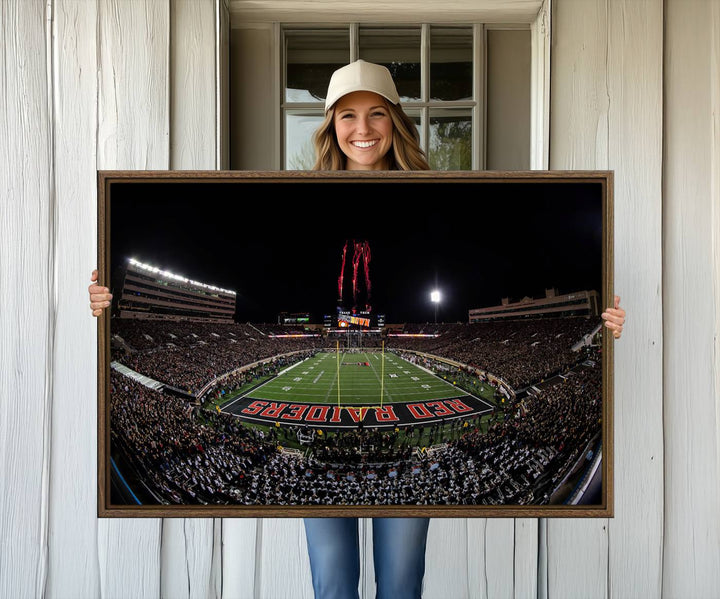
{"points": [[361, 76]]}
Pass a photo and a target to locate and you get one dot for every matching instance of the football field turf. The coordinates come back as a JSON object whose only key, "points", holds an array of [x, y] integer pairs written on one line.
{"points": [[360, 379], [342, 390]]}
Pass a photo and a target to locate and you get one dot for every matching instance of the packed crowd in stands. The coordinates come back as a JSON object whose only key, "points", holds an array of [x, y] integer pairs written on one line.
{"points": [[187, 458], [190, 455], [189, 355], [519, 352], [223, 461], [429, 328], [270, 329]]}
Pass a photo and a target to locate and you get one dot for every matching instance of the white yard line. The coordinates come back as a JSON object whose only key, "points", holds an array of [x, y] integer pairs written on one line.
{"points": [[244, 395], [289, 368], [334, 378], [389, 395], [457, 390]]}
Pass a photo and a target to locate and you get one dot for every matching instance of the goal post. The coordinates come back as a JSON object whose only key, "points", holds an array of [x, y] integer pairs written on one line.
{"points": [[382, 374], [339, 363]]}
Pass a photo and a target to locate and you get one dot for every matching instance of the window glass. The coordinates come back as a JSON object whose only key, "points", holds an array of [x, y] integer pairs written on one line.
{"points": [[451, 63], [399, 50], [450, 146], [415, 116], [508, 100], [299, 127], [310, 59]]}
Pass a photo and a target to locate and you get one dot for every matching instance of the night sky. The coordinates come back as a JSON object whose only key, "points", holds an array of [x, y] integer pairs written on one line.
{"points": [[279, 245]]}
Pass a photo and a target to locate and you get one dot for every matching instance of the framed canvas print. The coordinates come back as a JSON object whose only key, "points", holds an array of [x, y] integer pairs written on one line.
{"points": [[355, 343]]}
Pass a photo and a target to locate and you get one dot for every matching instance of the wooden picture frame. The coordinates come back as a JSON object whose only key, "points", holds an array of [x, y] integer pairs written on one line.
{"points": [[272, 350]]}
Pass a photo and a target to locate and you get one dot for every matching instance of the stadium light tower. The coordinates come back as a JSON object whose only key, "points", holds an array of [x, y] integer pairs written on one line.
{"points": [[435, 299]]}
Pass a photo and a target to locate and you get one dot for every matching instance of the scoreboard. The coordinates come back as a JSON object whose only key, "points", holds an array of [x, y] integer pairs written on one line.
{"points": [[294, 318], [348, 319], [354, 320]]}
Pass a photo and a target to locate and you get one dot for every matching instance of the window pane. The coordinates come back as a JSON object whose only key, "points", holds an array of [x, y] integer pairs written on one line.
{"points": [[299, 152], [415, 116], [399, 50], [508, 100], [311, 57], [450, 140], [451, 63]]}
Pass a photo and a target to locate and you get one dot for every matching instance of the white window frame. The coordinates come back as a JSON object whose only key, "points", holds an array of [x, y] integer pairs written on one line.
{"points": [[536, 14], [425, 105]]}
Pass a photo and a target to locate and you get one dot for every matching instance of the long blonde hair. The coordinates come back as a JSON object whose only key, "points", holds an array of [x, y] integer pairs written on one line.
{"points": [[405, 154]]}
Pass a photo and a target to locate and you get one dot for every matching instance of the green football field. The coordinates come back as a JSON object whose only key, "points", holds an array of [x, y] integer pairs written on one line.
{"points": [[343, 378]]}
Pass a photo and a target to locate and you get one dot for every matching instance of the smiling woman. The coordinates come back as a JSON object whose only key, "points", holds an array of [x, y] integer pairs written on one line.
{"points": [[365, 128]]}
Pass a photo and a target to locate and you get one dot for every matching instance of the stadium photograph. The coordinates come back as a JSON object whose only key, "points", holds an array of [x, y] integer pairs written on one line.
{"points": [[277, 342]]}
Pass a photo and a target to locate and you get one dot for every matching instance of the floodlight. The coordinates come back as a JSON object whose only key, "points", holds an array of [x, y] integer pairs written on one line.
{"points": [[435, 299], [155, 269]]}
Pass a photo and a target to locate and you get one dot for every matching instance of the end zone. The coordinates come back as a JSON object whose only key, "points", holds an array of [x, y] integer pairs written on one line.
{"points": [[370, 416]]}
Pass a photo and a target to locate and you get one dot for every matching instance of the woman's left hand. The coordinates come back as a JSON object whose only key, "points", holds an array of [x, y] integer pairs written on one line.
{"points": [[615, 318]]}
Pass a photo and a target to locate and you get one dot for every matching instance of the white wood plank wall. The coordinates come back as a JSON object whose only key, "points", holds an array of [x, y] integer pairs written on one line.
{"points": [[190, 567], [133, 133], [606, 113], [692, 304], [73, 524], [27, 280], [87, 85]]}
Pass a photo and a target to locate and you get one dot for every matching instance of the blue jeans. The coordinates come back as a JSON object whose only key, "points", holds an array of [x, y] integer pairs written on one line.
{"points": [[398, 555]]}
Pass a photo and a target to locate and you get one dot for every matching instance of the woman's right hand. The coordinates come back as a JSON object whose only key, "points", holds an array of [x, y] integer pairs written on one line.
{"points": [[99, 296]]}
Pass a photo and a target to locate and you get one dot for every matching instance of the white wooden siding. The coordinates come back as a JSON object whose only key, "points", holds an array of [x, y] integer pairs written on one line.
{"points": [[577, 550], [189, 566], [27, 314], [606, 113], [73, 525], [635, 117], [692, 397], [635, 87], [133, 133]]}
